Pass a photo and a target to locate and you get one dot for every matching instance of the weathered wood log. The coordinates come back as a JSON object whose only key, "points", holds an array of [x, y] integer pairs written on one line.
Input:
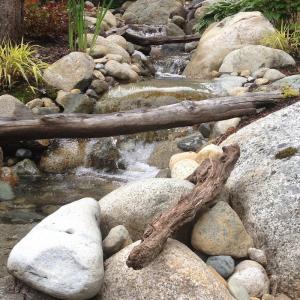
{"points": [[134, 38], [209, 178], [185, 113]]}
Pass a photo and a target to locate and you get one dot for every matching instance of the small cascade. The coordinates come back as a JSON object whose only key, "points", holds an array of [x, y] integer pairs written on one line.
{"points": [[171, 66]]}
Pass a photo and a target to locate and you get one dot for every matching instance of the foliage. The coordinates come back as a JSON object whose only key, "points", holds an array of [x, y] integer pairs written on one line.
{"points": [[275, 10], [289, 92], [19, 62], [44, 21], [77, 26], [287, 38]]}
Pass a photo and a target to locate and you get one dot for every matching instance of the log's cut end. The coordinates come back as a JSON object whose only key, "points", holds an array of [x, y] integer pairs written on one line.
{"points": [[209, 179]]}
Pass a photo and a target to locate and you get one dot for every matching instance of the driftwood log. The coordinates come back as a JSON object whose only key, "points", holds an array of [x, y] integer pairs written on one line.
{"points": [[209, 178], [131, 34], [185, 113], [134, 38]]}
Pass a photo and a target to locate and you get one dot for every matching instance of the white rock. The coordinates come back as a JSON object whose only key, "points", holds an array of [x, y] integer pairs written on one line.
{"points": [[253, 277], [273, 75], [135, 204], [121, 71], [252, 57], [184, 168], [62, 255], [117, 39], [221, 127], [209, 151], [180, 156], [117, 239]]}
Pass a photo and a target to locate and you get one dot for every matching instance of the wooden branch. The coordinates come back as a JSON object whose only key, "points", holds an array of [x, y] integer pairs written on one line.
{"points": [[185, 113], [209, 178], [134, 38]]}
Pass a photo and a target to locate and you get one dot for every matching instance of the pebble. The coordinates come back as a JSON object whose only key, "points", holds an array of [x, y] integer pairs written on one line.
{"points": [[224, 265], [253, 277], [258, 256], [23, 153], [261, 81], [117, 239], [180, 156]]}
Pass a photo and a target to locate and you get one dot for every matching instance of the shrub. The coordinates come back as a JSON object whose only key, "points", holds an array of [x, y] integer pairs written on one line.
{"points": [[287, 38], [44, 21], [19, 62], [275, 10]]}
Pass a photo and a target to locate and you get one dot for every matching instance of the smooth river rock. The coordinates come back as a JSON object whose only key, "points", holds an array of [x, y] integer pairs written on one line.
{"points": [[62, 255], [177, 273], [253, 277], [221, 232], [137, 203], [253, 57], [72, 71], [265, 191]]}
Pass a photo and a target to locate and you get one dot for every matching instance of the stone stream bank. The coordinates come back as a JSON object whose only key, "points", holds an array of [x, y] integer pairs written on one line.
{"points": [[244, 246]]}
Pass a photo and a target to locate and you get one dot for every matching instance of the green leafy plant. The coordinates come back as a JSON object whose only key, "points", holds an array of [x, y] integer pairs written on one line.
{"points": [[287, 38], [19, 63], [275, 10], [77, 26]]}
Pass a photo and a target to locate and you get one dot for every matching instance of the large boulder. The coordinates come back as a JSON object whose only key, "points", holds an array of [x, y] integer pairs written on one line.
{"points": [[264, 187], [136, 204], [254, 57], [177, 273], [62, 255], [221, 38], [157, 12], [73, 71], [291, 81], [11, 107]]}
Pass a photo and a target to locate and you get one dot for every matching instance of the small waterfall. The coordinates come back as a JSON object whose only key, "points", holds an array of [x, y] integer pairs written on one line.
{"points": [[171, 66]]}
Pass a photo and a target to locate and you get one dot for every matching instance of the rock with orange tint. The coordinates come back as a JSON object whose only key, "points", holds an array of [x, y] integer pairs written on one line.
{"points": [[177, 273], [8, 175], [180, 156]]}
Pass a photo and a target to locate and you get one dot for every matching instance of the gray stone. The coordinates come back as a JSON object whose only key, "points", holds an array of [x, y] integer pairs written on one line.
{"points": [[258, 256], [265, 191], [189, 47], [117, 239], [77, 103], [102, 154], [225, 84], [224, 265], [121, 71], [273, 75], [237, 290], [99, 86], [221, 232], [162, 153], [174, 30], [74, 70], [135, 204], [62, 255], [193, 142], [177, 273], [11, 107], [23, 153], [157, 12], [292, 81], [205, 129], [260, 72], [6, 192], [234, 32], [179, 21], [253, 277], [26, 167], [253, 57]]}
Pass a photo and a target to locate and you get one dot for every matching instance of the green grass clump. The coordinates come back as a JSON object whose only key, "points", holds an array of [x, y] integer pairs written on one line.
{"points": [[289, 92], [19, 63]]}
